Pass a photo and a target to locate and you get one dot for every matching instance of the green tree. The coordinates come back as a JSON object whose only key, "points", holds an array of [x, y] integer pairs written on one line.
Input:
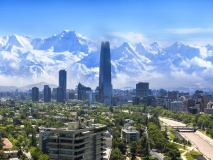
{"points": [[133, 149], [35, 153], [2, 155], [116, 154], [44, 157]]}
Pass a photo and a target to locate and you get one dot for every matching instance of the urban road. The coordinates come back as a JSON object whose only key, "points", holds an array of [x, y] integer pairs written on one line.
{"points": [[200, 141]]}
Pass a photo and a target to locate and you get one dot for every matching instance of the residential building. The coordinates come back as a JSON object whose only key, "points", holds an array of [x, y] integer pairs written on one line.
{"points": [[79, 140], [178, 106]]}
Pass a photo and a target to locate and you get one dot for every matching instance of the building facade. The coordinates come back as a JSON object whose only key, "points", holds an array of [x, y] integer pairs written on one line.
{"points": [[142, 89], [47, 93], [105, 85], [79, 140], [130, 133], [35, 94], [62, 86]]}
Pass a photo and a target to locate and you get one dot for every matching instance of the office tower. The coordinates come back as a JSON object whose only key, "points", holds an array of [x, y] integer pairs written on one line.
{"points": [[62, 85], [172, 95], [105, 85], [79, 140], [130, 133], [135, 100], [84, 93], [71, 95], [142, 89], [35, 94], [203, 100], [197, 93], [81, 92], [47, 93], [54, 93], [59, 94]]}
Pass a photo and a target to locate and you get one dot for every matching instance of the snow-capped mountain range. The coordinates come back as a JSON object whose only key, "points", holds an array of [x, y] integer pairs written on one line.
{"points": [[24, 61]]}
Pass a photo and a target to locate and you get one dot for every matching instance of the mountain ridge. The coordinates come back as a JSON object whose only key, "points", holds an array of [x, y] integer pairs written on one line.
{"points": [[24, 59]]}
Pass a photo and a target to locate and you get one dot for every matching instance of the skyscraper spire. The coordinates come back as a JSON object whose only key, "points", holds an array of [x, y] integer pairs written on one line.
{"points": [[105, 85]]}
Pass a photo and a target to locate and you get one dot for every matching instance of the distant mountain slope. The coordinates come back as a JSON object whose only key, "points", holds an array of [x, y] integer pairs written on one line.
{"points": [[24, 60]]}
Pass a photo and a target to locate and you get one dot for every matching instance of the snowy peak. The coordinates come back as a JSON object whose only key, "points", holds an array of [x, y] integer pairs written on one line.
{"points": [[155, 47], [182, 50], [15, 40], [65, 41], [177, 45]]}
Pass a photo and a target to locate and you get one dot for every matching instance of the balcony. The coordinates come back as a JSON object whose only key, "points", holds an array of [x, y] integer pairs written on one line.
{"points": [[76, 138], [100, 151], [101, 141], [101, 146], [53, 143], [99, 137], [75, 150], [54, 155], [100, 155], [54, 137]]}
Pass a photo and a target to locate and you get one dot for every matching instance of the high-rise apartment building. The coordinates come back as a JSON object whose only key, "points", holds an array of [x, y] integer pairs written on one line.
{"points": [[79, 140], [105, 85], [35, 94], [62, 86], [47, 93], [142, 89]]}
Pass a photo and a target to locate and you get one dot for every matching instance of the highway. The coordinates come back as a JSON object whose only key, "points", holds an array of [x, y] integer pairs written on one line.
{"points": [[200, 141], [156, 155]]}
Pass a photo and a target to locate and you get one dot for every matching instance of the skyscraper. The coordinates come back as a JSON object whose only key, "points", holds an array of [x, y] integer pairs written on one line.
{"points": [[47, 93], [105, 85], [59, 94], [35, 94], [62, 86], [142, 89], [84, 93]]}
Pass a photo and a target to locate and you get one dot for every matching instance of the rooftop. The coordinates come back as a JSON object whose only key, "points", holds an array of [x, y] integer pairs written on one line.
{"points": [[7, 144]]}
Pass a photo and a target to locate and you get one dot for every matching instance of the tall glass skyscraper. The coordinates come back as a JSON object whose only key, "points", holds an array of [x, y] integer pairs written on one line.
{"points": [[47, 93], [62, 95], [105, 85], [35, 94]]}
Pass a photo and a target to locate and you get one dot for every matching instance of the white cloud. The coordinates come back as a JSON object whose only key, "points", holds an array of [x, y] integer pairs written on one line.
{"points": [[131, 37], [197, 62], [117, 38], [190, 30]]}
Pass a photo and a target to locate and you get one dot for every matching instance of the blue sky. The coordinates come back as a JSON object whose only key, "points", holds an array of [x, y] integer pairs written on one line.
{"points": [[116, 20]]}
